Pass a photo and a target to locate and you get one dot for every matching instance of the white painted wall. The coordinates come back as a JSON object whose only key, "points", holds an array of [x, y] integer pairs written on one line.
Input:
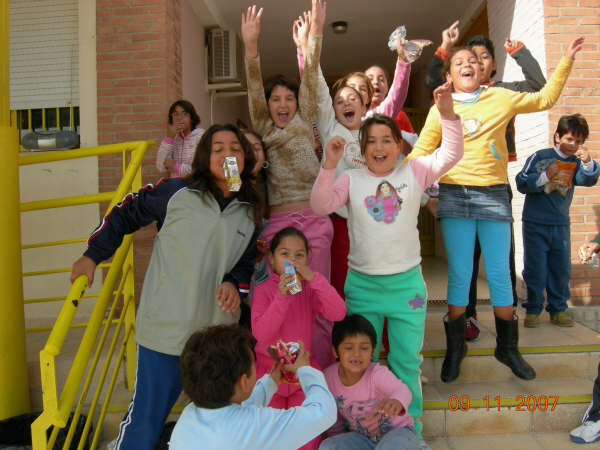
{"points": [[63, 179], [521, 20], [196, 18]]}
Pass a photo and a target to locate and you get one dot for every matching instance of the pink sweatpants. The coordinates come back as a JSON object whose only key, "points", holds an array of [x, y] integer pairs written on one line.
{"points": [[319, 233]]}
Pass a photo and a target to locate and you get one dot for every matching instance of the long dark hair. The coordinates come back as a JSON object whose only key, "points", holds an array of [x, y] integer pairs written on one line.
{"points": [[201, 177]]}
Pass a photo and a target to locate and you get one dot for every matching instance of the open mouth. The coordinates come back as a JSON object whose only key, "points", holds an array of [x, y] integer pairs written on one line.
{"points": [[467, 75], [379, 159], [283, 116], [349, 115]]}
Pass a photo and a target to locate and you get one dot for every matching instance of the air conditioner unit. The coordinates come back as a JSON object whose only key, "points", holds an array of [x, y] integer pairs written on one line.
{"points": [[222, 49]]}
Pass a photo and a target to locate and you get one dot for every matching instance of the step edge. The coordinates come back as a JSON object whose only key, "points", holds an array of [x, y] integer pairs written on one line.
{"points": [[524, 350], [436, 405]]}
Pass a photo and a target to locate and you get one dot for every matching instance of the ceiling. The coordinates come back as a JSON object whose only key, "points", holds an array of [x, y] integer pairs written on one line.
{"points": [[364, 44]]}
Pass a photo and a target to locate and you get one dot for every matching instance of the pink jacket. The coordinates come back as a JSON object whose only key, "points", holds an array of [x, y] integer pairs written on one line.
{"points": [[290, 317], [182, 150], [357, 403]]}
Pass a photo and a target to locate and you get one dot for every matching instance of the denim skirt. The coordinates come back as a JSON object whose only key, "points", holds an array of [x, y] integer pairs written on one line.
{"points": [[475, 202]]}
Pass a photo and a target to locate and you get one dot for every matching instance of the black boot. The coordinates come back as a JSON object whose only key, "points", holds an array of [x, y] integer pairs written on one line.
{"points": [[506, 348], [456, 348]]}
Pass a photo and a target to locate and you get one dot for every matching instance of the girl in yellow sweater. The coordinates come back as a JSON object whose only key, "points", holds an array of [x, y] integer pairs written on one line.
{"points": [[474, 199]]}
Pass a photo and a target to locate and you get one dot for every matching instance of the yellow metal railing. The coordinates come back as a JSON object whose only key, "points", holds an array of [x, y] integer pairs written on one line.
{"points": [[113, 312]]}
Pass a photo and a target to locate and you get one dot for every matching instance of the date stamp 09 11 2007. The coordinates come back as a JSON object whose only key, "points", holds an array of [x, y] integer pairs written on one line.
{"points": [[524, 403]]}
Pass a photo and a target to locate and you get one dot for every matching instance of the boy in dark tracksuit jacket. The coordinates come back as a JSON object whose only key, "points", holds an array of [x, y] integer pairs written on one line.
{"points": [[548, 179], [534, 81]]}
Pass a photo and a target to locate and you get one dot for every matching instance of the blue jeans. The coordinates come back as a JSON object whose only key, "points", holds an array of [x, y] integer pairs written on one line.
{"points": [[546, 265], [396, 439], [459, 240], [157, 387]]}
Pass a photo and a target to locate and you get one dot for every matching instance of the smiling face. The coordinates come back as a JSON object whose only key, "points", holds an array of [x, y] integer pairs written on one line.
{"points": [[282, 105], [224, 143], [348, 107], [360, 85], [379, 83], [488, 65], [568, 143], [355, 353], [381, 150], [465, 71], [291, 249]]}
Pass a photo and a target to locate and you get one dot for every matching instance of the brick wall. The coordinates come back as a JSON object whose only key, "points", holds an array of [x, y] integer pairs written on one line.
{"points": [[564, 20], [139, 76]]}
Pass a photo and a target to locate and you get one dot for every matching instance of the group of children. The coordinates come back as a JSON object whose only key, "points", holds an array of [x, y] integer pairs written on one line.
{"points": [[350, 218]]}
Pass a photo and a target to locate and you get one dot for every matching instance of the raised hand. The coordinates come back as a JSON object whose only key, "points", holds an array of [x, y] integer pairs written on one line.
{"points": [[443, 100], [400, 49], [317, 17], [300, 30], [334, 152], [251, 30], [583, 154], [450, 36], [510, 45], [574, 47]]}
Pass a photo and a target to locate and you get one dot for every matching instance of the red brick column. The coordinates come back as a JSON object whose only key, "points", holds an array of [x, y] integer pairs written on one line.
{"points": [[139, 76], [564, 21]]}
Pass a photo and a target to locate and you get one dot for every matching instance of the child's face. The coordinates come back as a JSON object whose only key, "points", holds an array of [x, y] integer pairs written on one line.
{"points": [[181, 120], [360, 85], [282, 105], [385, 189], [355, 353], [379, 83], [259, 152], [465, 71], [291, 249], [487, 63], [568, 143], [381, 151], [348, 108], [224, 143]]}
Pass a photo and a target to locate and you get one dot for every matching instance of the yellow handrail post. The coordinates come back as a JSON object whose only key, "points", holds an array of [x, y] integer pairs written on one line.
{"points": [[131, 349], [13, 359]]}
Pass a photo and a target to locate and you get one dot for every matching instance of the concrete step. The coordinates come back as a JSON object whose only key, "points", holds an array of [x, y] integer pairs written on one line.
{"points": [[554, 352], [515, 441], [471, 408]]}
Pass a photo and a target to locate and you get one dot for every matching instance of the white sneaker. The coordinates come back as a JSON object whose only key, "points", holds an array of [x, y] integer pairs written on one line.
{"points": [[587, 432]]}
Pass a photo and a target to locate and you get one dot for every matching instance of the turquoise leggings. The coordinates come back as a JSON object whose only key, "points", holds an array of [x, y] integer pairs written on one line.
{"points": [[459, 240], [402, 299]]}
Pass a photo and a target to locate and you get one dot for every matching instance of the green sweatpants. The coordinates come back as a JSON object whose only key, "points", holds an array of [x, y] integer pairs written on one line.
{"points": [[402, 299]]}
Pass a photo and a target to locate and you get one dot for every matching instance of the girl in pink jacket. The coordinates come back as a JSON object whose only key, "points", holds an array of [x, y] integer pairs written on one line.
{"points": [[279, 315]]}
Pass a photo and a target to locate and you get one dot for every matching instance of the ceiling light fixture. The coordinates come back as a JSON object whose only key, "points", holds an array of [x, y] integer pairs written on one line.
{"points": [[339, 26]]}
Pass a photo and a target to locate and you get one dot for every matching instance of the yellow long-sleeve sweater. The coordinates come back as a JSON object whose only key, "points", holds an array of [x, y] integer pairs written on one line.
{"points": [[484, 123]]}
